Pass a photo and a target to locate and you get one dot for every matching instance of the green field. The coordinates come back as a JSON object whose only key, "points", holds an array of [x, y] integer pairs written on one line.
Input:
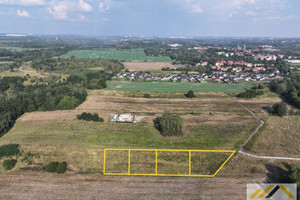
{"points": [[122, 55], [128, 86]]}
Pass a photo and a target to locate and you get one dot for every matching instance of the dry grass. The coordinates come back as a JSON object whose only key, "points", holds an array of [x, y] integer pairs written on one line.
{"points": [[280, 137], [147, 65], [35, 185]]}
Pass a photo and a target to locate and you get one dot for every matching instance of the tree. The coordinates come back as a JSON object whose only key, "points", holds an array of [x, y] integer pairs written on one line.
{"points": [[101, 84], [190, 94], [68, 103], [169, 124], [279, 109]]}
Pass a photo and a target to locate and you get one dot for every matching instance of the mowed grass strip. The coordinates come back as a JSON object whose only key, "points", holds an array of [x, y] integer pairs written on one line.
{"points": [[114, 54], [129, 86]]}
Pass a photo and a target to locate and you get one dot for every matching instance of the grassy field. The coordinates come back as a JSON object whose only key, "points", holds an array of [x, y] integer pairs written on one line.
{"points": [[128, 86], [209, 123], [279, 137], [122, 55]]}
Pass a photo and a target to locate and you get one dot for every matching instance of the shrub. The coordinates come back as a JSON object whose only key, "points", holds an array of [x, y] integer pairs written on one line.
{"points": [[147, 95], [9, 150], [260, 87], [61, 168], [248, 94], [279, 109], [90, 117], [51, 167], [190, 94], [8, 164], [67, 103], [169, 124], [101, 84], [57, 167]]}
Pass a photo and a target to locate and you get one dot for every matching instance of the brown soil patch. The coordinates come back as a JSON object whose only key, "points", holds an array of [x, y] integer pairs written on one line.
{"points": [[147, 65]]}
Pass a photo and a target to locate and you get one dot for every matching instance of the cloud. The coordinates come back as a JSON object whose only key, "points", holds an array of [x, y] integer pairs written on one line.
{"points": [[104, 6], [23, 2], [192, 6], [239, 9], [23, 13], [251, 13], [195, 8], [84, 7], [61, 10]]}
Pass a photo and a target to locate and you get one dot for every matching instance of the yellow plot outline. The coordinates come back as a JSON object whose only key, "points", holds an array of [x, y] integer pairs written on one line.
{"points": [[166, 150]]}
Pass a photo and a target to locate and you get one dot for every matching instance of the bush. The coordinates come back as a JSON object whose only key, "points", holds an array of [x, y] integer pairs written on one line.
{"points": [[190, 94], [51, 167], [56, 167], [248, 94], [147, 95], [279, 109], [169, 124], [260, 87], [90, 117], [68, 103], [9, 150], [61, 168], [8, 164]]}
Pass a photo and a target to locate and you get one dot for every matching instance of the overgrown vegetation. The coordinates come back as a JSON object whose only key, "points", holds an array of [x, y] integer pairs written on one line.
{"points": [[21, 99], [169, 124], [8, 164], [279, 109], [289, 89], [90, 117], [9, 150], [56, 167], [252, 93]]}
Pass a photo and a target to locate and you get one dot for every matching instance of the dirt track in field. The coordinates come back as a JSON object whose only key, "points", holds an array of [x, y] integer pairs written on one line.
{"points": [[147, 65], [36, 185]]}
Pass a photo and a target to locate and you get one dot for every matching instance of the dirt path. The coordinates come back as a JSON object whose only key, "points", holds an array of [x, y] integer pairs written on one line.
{"points": [[38, 185], [242, 149]]}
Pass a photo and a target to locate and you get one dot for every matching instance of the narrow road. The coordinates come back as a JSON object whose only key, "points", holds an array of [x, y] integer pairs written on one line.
{"points": [[242, 149]]}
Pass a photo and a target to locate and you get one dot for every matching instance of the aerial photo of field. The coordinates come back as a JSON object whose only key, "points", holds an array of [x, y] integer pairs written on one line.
{"points": [[114, 54], [128, 86]]}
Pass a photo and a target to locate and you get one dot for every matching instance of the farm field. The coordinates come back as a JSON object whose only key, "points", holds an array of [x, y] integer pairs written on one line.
{"points": [[114, 54], [147, 65], [129, 86]]}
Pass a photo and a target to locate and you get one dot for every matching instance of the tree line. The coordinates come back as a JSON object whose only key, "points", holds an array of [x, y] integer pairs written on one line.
{"points": [[16, 99], [288, 89]]}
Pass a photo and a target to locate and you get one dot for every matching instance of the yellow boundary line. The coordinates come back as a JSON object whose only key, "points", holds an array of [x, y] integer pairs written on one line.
{"points": [[167, 150]]}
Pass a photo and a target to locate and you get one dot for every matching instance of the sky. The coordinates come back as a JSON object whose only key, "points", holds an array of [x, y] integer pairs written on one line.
{"points": [[202, 18]]}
